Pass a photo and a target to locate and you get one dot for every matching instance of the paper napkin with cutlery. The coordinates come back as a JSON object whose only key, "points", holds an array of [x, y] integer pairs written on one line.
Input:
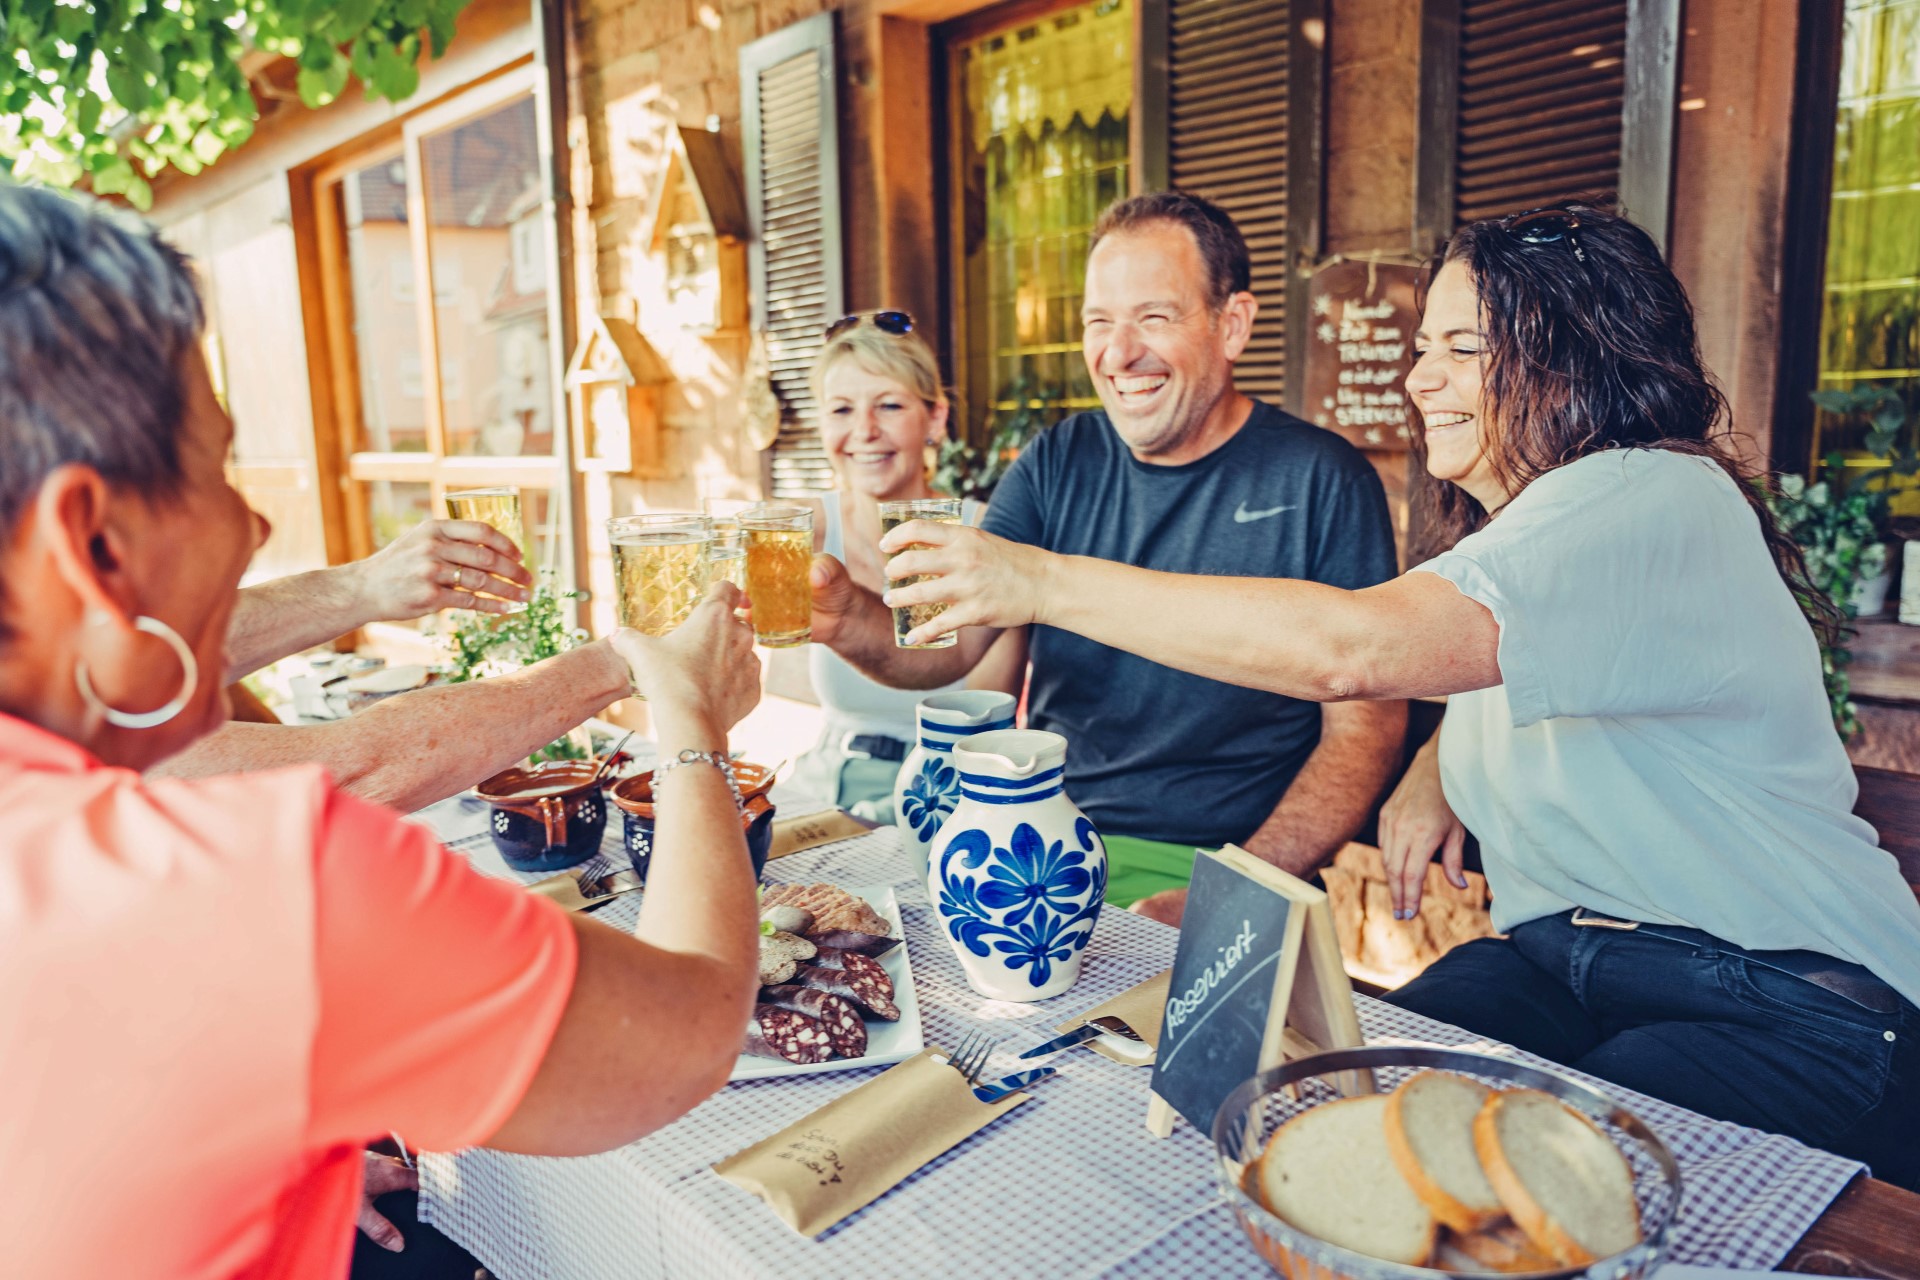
{"points": [[811, 830], [1140, 1007], [861, 1145]]}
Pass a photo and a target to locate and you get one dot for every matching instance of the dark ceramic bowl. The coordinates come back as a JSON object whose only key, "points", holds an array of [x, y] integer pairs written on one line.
{"points": [[546, 819], [634, 797]]}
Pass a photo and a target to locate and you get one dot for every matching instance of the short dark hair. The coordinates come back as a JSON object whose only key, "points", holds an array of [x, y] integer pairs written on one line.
{"points": [[1222, 247], [96, 314]]}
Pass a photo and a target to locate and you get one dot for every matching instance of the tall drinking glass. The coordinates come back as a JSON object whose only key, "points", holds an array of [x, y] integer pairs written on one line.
{"points": [[779, 556], [498, 508], [907, 617], [727, 553], [660, 565]]}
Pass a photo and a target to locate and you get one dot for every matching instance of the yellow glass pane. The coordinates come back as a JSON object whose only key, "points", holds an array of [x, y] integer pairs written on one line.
{"points": [[1043, 150], [1870, 320]]}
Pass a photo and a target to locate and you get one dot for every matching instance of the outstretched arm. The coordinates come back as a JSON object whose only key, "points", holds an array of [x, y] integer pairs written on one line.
{"points": [[412, 749], [437, 564], [1416, 636], [851, 621]]}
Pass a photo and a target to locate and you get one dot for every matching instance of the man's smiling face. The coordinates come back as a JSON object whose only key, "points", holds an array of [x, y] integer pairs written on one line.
{"points": [[1156, 348]]}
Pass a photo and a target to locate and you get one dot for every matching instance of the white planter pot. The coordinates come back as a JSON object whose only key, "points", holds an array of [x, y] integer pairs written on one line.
{"points": [[1018, 872], [1870, 594]]}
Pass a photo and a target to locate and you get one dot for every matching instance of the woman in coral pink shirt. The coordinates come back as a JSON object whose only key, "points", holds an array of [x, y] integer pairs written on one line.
{"points": [[213, 994]]}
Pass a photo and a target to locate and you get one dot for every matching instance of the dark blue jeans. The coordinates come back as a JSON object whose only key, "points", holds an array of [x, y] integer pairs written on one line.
{"points": [[1708, 1027]]}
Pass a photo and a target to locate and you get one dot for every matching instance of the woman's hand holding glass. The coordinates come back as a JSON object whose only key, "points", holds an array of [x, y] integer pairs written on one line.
{"points": [[704, 668], [983, 580], [1415, 823]]}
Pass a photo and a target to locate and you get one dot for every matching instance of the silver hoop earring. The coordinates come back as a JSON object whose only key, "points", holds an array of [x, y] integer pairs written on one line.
{"points": [[190, 668]]}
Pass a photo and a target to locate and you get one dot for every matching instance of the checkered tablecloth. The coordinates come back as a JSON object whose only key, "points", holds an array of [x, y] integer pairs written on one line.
{"points": [[1069, 1185]]}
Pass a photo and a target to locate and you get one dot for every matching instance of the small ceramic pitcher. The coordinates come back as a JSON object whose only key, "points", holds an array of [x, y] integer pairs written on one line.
{"points": [[546, 819], [927, 787], [1018, 871]]}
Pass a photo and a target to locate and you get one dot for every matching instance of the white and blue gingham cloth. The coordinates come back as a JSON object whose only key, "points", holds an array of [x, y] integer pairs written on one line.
{"points": [[1069, 1185]]}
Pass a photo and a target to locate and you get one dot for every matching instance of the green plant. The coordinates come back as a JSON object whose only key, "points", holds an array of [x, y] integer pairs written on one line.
{"points": [[966, 472], [484, 644], [117, 90], [1840, 520]]}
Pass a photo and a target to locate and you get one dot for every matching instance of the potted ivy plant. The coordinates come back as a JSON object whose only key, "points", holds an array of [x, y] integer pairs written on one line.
{"points": [[483, 644], [1840, 521]]}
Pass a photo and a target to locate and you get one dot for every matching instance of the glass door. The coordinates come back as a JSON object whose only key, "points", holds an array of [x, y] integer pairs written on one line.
{"points": [[434, 269]]}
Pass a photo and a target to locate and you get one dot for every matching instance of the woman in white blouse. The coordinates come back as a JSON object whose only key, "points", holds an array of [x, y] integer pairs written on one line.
{"points": [[881, 408], [1637, 733]]}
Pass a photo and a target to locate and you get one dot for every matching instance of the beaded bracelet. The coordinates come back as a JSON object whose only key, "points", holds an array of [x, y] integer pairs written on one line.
{"points": [[718, 759]]}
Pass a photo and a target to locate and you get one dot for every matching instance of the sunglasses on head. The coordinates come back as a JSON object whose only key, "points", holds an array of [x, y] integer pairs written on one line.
{"points": [[897, 323], [1546, 226]]}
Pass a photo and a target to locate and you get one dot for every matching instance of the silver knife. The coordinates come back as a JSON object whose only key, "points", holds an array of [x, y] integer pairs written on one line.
{"points": [[1079, 1035], [994, 1090]]}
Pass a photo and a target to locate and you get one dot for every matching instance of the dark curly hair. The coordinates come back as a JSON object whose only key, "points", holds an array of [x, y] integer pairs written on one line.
{"points": [[1585, 356]]}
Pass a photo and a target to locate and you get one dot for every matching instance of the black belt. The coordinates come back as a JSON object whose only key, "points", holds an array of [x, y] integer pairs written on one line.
{"points": [[874, 746], [1850, 981]]}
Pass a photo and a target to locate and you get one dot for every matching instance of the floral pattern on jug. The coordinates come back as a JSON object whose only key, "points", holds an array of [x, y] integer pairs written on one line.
{"points": [[1018, 872], [928, 786]]}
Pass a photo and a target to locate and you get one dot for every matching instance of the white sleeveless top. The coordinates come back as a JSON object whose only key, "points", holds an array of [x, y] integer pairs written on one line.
{"points": [[853, 702]]}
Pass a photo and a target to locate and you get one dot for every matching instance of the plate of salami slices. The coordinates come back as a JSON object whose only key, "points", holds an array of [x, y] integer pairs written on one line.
{"points": [[836, 990]]}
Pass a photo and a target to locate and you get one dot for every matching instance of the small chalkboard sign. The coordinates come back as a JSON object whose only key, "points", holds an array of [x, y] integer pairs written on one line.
{"points": [[1257, 979]]}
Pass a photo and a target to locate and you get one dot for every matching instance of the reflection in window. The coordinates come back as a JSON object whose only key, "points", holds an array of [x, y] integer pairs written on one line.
{"points": [[487, 239], [1042, 147], [1870, 329], [386, 330]]}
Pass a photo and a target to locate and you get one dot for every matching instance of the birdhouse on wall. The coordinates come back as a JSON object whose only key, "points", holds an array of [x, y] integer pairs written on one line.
{"points": [[613, 387], [699, 240]]}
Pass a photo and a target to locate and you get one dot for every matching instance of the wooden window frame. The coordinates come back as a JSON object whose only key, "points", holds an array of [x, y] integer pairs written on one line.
{"points": [[1803, 246], [343, 467], [1650, 101]]}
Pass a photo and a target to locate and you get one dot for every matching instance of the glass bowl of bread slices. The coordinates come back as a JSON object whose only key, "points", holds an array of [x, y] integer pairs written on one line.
{"points": [[1400, 1162]]}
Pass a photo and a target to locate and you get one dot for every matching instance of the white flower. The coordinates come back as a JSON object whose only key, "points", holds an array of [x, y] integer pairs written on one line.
{"points": [[1817, 495], [1792, 486]]}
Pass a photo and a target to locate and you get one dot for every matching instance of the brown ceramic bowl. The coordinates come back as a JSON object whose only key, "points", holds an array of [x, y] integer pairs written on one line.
{"points": [[546, 818], [634, 798]]}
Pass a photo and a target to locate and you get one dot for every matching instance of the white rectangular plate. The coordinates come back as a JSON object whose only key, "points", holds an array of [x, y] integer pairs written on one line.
{"points": [[887, 1042]]}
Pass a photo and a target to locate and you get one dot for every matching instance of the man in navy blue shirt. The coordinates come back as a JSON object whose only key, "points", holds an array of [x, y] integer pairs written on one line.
{"points": [[1181, 472]]}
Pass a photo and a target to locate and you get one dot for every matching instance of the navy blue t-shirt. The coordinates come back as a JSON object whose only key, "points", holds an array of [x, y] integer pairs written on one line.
{"points": [[1152, 752]]}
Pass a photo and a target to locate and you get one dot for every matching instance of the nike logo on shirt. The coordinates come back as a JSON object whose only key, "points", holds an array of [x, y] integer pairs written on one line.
{"points": [[1244, 516]]}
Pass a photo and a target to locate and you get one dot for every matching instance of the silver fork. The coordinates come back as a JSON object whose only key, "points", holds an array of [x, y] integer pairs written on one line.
{"points": [[970, 1059]]}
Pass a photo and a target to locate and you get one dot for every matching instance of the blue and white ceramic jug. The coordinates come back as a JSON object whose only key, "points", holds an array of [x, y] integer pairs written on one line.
{"points": [[1018, 871], [928, 787]]}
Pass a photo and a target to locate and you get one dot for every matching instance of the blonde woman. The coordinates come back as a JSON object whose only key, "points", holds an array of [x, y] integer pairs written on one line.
{"points": [[881, 408]]}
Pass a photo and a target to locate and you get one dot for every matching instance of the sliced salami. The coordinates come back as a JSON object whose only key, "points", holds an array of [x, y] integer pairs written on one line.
{"points": [[837, 1016], [867, 944], [789, 1036], [856, 978]]}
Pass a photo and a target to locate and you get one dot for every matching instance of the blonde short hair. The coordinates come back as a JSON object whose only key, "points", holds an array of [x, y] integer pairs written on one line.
{"points": [[903, 357]]}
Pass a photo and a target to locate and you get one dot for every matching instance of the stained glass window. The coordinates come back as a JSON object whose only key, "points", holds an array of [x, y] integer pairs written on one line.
{"points": [[1041, 111], [1870, 327]]}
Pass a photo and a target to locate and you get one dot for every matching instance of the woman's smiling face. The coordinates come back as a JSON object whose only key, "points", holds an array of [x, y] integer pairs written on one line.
{"points": [[876, 430], [1445, 387]]}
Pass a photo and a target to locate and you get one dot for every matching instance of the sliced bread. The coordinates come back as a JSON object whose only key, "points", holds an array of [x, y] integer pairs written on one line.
{"points": [[1563, 1180], [1328, 1173], [1430, 1133], [1503, 1248]]}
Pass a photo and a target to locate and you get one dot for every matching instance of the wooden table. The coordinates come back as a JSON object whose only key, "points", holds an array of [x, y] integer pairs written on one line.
{"points": [[1872, 1229]]}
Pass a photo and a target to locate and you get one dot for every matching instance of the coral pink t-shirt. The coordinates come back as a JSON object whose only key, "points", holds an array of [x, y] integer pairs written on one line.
{"points": [[213, 994]]}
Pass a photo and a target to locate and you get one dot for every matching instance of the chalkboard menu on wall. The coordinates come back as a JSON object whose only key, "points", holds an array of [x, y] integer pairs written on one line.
{"points": [[1257, 979], [1360, 323]]}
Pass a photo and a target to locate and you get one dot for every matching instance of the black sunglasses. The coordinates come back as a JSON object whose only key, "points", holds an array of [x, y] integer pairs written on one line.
{"points": [[897, 323], [1546, 226]]}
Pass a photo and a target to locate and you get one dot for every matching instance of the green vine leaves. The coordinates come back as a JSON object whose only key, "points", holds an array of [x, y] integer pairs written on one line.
{"points": [[115, 91]]}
